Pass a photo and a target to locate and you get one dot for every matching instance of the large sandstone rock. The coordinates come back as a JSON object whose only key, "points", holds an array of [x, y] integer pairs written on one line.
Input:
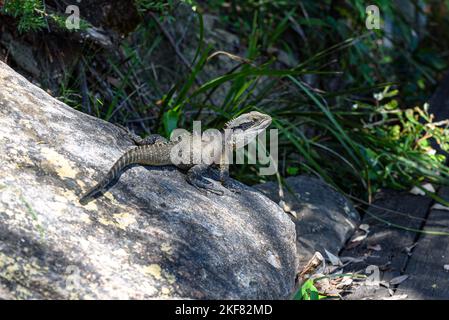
{"points": [[151, 236]]}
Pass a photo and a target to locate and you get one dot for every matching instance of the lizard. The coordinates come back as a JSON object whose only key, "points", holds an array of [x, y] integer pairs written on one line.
{"points": [[155, 150]]}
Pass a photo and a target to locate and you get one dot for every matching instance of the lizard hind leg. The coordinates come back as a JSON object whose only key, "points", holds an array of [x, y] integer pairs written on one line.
{"points": [[224, 178], [197, 176], [150, 139]]}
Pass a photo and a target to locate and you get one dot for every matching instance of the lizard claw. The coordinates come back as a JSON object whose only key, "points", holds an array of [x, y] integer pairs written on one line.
{"points": [[231, 187], [204, 184], [215, 191]]}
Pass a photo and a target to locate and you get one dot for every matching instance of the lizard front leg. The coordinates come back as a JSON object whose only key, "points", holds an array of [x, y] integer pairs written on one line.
{"points": [[197, 176], [224, 175], [200, 177], [225, 181]]}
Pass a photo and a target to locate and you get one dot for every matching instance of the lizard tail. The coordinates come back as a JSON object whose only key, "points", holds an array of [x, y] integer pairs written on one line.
{"points": [[130, 157]]}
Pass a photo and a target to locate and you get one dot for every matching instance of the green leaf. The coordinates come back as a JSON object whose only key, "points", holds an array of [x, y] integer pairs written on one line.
{"points": [[309, 291], [170, 120]]}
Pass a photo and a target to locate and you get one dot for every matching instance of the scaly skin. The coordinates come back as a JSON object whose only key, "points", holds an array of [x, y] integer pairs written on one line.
{"points": [[154, 155], [156, 152]]}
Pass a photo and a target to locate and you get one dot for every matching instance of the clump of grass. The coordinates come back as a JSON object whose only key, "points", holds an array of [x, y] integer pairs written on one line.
{"points": [[357, 146], [403, 50], [371, 146], [160, 6], [33, 15], [30, 13]]}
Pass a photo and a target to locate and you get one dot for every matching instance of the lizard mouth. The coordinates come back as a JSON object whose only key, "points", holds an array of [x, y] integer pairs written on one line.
{"points": [[265, 123]]}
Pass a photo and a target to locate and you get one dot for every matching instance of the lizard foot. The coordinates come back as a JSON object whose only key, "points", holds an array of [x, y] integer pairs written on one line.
{"points": [[150, 139], [197, 177], [231, 186], [208, 186]]}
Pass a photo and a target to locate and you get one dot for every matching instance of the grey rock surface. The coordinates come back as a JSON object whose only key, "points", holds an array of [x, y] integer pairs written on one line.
{"points": [[325, 218], [152, 235]]}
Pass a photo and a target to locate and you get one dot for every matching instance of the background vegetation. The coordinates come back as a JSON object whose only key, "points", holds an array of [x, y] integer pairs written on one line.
{"points": [[349, 103]]}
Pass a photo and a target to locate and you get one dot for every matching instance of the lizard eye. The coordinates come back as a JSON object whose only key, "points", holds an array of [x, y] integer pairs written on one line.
{"points": [[244, 126]]}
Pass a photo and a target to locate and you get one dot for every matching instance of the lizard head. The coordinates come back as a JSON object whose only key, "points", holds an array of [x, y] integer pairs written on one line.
{"points": [[247, 127]]}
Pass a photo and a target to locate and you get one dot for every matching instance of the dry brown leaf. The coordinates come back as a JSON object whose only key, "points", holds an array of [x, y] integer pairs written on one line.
{"points": [[344, 282], [360, 238], [334, 260], [396, 297], [325, 286], [398, 280], [364, 227], [438, 206], [376, 247], [349, 260], [312, 265]]}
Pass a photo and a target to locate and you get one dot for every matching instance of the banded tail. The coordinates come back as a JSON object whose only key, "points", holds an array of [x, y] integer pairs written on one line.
{"points": [[131, 157]]}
